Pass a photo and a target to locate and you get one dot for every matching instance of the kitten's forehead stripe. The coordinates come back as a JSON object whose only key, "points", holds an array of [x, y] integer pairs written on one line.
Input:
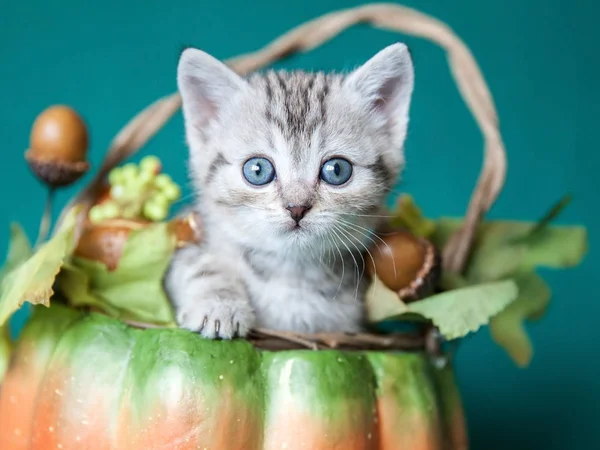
{"points": [[269, 93], [296, 104], [270, 86], [322, 96]]}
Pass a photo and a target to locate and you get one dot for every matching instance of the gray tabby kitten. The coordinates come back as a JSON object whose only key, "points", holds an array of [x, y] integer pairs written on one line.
{"points": [[291, 171]]}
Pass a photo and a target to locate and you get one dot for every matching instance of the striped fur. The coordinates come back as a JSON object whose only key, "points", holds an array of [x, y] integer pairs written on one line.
{"points": [[256, 267]]}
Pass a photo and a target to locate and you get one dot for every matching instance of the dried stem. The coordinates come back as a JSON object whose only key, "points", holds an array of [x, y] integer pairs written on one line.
{"points": [[284, 340], [265, 335], [281, 340], [314, 33], [46, 220]]}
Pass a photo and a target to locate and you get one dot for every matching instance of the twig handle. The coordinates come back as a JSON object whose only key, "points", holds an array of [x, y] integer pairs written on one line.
{"points": [[314, 33]]}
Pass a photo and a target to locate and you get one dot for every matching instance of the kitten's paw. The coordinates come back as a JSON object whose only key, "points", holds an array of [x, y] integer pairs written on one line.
{"points": [[213, 319]]}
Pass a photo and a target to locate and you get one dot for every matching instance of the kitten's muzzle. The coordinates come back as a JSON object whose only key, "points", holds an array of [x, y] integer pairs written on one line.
{"points": [[298, 211]]}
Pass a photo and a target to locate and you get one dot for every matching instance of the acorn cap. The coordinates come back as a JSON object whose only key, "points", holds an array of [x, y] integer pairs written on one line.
{"points": [[55, 173], [406, 264], [58, 146]]}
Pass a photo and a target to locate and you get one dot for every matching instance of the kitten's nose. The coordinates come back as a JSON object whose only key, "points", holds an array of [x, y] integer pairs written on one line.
{"points": [[298, 211]]}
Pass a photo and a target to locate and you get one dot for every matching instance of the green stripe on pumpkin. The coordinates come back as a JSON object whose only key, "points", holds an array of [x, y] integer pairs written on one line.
{"points": [[184, 391], [42, 331], [80, 393], [407, 401], [319, 400]]}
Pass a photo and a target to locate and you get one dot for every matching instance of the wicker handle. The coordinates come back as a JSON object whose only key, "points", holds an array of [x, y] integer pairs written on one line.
{"points": [[314, 33]]}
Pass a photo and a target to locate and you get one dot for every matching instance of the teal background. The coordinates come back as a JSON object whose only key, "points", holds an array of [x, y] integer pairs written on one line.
{"points": [[109, 59]]}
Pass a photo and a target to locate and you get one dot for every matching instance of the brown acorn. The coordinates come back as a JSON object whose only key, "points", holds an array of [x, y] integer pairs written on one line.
{"points": [[405, 264], [57, 152], [104, 242]]}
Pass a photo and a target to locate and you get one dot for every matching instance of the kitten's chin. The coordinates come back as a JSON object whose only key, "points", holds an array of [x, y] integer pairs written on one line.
{"points": [[296, 231], [295, 235]]}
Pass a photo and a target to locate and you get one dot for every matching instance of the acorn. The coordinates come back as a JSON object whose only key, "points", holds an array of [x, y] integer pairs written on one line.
{"points": [[104, 241], [405, 264], [57, 152]]}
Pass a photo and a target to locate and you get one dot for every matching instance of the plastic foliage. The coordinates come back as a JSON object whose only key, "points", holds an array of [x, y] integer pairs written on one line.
{"points": [[19, 250], [504, 252], [133, 291], [32, 278], [130, 292], [455, 313], [508, 329]]}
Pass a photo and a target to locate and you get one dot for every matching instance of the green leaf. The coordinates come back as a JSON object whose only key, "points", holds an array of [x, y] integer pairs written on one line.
{"points": [[552, 214], [508, 327], [456, 313], [502, 250], [514, 250], [461, 311], [509, 250], [133, 291], [74, 285], [408, 215], [445, 227], [381, 302], [556, 247], [19, 249], [32, 280]]}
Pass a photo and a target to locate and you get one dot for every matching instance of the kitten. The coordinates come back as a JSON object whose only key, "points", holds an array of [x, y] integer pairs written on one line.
{"points": [[291, 170]]}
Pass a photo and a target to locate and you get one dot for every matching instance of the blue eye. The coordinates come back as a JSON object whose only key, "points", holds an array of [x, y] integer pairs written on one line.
{"points": [[336, 171], [259, 171]]}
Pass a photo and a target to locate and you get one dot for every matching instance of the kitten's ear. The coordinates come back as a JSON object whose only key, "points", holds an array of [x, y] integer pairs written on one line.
{"points": [[206, 85], [386, 82]]}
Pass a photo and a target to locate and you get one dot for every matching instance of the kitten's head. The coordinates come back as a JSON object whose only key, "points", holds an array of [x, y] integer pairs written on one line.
{"points": [[296, 159]]}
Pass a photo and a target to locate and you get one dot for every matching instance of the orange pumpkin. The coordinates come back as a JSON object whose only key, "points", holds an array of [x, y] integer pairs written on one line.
{"points": [[83, 380]]}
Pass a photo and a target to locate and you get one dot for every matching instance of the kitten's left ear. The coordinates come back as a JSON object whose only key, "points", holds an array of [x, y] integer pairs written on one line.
{"points": [[386, 82], [206, 86]]}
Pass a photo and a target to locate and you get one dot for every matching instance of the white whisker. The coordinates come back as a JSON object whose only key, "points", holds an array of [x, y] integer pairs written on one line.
{"points": [[367, 250], [370, 215], [353, 259], [343, 265], [377, 237], [349, 235], [361, 230]]}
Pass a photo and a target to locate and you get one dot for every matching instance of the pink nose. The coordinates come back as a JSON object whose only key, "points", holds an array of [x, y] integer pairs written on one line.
{"points": [[297, 212]]}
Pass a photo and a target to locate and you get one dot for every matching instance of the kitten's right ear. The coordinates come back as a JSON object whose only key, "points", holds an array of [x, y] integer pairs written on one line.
{"points": [[386, 82], [205, 85]]}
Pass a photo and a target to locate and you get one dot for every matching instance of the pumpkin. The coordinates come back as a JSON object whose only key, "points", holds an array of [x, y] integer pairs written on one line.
{"points": [[84, 380]]}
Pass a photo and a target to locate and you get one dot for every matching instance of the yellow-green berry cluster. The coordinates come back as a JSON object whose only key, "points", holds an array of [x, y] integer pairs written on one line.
{"points": [[138, 192]]}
